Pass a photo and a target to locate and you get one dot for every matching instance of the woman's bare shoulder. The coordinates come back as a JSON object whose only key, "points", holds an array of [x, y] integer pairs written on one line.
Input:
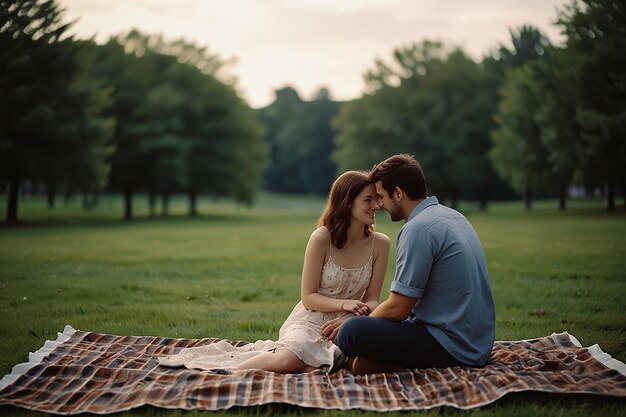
{"points": [[320, 236], [382, 239], [382, 245]]}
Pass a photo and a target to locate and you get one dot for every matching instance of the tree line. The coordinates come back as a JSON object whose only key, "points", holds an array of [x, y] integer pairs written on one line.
{"points": [[137, 114], [142, 114], [541, 116]]}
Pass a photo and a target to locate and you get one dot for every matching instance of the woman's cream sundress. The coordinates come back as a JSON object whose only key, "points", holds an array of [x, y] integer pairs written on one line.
{"points": [[301, 333]]}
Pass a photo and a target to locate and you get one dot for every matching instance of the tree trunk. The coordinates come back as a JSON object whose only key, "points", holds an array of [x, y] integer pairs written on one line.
{"points": [[193, 199], [128, 205], [610, 185], [484, 198], [454, 199], [624, 190], [152, 203], [165, 202], [562, 195], [90, 200], [14, 189], [51, 193], [527, 199]]}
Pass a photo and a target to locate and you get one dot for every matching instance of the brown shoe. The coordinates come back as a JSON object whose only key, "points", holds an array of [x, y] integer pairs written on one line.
{"points": [[361, 366]]}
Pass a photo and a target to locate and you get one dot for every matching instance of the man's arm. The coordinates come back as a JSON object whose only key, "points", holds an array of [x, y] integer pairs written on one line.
{"points": [[397, 307]]}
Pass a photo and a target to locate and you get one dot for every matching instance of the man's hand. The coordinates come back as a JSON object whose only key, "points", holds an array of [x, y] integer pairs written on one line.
{"points": [[331, 328]]}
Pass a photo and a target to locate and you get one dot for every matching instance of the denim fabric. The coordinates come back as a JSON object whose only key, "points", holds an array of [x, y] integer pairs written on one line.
{"points": [[403, 343]]}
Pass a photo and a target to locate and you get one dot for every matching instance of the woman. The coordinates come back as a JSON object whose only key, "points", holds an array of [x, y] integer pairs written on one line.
{"points": [[344, 269]]}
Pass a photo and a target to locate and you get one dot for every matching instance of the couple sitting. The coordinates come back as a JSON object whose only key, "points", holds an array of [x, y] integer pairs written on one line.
{"points": [[440, 311]]}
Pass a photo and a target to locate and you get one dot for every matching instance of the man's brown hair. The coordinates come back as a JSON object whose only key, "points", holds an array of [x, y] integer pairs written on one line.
{"points": [[402, 171]]}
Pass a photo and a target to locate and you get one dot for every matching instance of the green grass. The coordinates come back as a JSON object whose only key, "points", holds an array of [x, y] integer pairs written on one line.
{"points": [[234, 273]]}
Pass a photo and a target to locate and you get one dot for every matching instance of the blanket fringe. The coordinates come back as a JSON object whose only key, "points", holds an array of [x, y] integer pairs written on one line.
{"points": [[595, 350], [35, 358], [601, 356]]}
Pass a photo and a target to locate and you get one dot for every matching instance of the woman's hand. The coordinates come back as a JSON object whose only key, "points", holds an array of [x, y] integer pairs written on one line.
{"points": [[331, 328], [356, 307]]}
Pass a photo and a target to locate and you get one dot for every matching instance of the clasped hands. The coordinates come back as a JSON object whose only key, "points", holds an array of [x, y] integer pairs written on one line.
{"points": [[354, 307]]}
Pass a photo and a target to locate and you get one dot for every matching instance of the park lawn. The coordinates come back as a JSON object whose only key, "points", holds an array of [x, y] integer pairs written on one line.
{"points": [[234, 273]]}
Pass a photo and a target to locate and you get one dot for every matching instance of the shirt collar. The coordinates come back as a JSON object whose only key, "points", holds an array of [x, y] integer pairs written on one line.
{"points": [[429, 201]]}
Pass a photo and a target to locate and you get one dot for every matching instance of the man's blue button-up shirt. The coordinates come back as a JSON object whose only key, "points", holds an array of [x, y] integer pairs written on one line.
{"points": [[440, 261]]}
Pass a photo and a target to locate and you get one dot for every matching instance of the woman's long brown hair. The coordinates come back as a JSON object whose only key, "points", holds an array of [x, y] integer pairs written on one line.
{"points": [[336, 215]]}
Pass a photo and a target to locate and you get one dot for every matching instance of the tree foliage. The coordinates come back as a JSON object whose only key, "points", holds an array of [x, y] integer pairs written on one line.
{"points": [[300, 138], [525, 141], [528, 43], [562, 115], [144, 114], [179, 129], [185, 52], [429, 101], [50, 127], [596, 39], [518, 154]]}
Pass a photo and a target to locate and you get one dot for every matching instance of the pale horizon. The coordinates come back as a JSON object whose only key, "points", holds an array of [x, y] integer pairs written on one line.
{"points": [[313, 43]]}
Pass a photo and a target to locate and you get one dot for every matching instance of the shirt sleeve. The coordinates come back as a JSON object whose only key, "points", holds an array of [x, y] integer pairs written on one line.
{"points": [[414, 260]]}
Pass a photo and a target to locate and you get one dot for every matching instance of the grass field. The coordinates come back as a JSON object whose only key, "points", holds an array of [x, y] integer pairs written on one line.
{"points": [[234, 273]]}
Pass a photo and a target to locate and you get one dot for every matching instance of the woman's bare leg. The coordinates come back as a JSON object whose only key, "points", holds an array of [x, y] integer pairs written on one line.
{"points": [[282, 361]]}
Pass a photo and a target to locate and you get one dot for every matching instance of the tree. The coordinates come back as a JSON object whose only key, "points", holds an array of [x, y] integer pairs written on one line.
{"points": [[528, 45], [518, 153], [130, 79], [186, 52], [596, 37], [275, 117], [560, 132], [159, 125], [227, 154], [300, 137], [81, 136], [49, 123], [179, 128], [392, 116], [430, 102], [460, 121]]}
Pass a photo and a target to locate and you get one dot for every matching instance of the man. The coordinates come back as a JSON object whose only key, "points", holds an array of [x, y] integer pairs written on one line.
{"points": [[440, 311]]}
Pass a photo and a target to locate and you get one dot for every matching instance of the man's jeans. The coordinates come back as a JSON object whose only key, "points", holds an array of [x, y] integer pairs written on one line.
{"points": [[403, 343]]}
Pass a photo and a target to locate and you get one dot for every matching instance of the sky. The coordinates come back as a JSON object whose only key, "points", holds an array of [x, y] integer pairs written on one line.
{"points": [[309, 44]]}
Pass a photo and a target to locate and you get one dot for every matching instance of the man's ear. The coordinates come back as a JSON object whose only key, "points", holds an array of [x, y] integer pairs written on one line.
{"points": [[398, 193]]}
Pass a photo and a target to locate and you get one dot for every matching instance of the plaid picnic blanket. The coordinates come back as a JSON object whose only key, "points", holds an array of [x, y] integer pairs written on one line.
{"points": [[100, 373]]}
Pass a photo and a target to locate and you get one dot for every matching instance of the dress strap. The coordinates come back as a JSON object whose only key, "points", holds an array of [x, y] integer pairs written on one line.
{"points": [[330, 244], [373, 245]]}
